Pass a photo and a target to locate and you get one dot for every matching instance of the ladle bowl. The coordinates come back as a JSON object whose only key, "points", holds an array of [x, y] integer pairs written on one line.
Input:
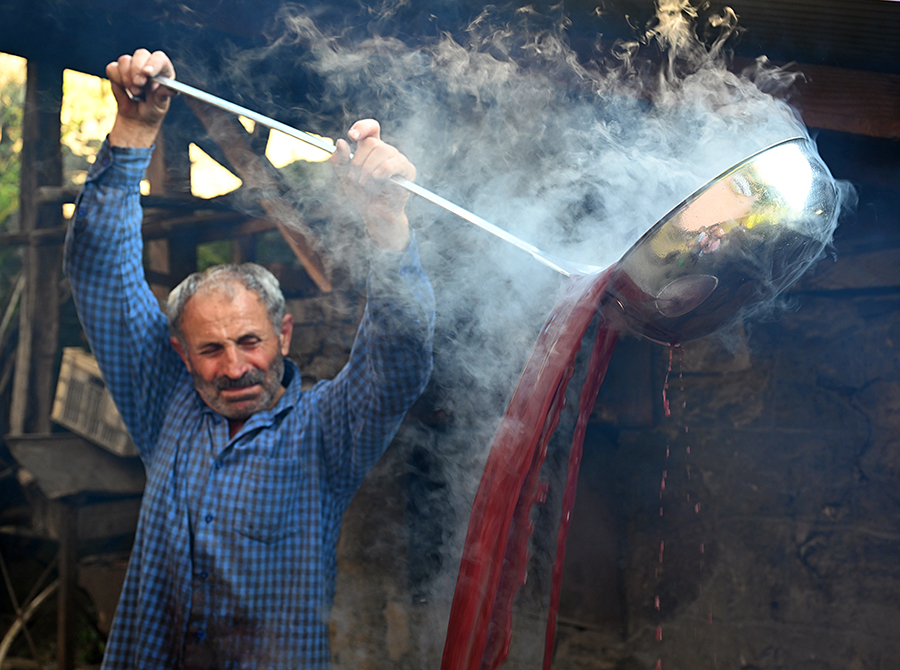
{"points": [[729, 248]]}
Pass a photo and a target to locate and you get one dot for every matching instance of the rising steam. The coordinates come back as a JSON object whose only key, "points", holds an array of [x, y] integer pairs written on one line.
{"points": [[578, 152]]}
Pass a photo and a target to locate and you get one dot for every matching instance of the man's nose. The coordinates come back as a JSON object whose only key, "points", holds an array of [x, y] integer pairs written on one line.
{"points": [[234, 363]]}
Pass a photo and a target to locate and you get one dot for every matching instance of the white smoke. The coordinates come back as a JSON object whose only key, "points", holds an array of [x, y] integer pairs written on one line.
{"points": [[576, 155]]}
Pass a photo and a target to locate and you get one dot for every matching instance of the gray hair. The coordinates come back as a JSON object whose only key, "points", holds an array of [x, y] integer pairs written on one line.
{"points": [[251, 276]]}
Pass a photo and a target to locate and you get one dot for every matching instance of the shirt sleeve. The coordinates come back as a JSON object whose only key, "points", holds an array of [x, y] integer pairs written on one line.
{"points": [[122, 319], [389, 367]]}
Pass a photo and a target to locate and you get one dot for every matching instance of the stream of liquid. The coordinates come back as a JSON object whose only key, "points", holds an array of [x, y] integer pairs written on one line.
{"points": [[495, 556], [494, 560], [667, 409], [694, 505]]}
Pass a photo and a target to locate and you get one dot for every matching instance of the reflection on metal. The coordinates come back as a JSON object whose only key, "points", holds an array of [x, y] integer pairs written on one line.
{"points": [[729, 248], [685, 294]]}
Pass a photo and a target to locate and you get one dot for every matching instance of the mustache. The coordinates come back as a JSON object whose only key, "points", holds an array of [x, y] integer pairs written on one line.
{"points": [[249, 378]]}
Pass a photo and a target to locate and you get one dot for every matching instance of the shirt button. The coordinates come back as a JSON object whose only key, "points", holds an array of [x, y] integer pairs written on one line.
{"points": [[204, 575], [216, 466], [208, 518], [105, 160], [82, 211], [200, 634]]}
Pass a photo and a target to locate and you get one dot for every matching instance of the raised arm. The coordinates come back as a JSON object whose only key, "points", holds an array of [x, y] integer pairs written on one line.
{"points": [[120, 316], [391, 360]]}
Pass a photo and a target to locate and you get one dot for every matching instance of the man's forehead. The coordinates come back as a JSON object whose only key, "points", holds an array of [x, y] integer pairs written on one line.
{"points": [[223, 304]]}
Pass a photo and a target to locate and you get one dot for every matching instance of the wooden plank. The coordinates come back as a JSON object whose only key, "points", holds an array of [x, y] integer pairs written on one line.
{"points": [[68, 580], [850, 101], [64, 464], [41, 162], [252, 171], [11, 307]]}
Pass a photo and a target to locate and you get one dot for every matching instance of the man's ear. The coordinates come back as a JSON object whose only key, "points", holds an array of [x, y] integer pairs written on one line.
{"points": [[179, 349], [287, 330]]}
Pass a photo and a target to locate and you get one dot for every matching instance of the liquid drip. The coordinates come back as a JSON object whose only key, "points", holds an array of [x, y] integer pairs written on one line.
{"points": [[667, 409], [494, 560], [665, 393], [694, 504]]}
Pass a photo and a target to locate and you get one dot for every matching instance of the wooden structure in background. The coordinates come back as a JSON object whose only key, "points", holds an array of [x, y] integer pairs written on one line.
{"points": [[39, 319], [175, 224], [847, 52]]}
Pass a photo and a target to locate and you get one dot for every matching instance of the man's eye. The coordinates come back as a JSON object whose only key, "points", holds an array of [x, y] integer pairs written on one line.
{"points": [[249, 341]]}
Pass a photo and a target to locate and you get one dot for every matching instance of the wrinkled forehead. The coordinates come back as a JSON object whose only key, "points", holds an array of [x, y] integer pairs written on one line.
{"points": [[226, 305]]}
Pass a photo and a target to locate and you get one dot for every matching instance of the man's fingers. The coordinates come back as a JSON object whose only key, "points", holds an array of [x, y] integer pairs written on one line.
{"points": [[130, 66], [379, 161], [133, 72], [340, 159], [364, 129], [156, 64]]}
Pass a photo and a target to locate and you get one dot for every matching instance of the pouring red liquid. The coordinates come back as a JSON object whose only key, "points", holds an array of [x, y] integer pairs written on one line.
{"points": [[494, 558]]}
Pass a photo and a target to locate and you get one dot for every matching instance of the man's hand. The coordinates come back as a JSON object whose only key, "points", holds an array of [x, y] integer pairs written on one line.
{"points": [[366, 179], [142, 103]]}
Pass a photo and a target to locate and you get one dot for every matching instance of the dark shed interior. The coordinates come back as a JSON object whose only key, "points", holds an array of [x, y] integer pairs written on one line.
{"points": [[774, 540]]}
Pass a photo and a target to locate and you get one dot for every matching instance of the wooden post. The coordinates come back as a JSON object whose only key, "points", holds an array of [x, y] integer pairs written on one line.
{"points": [[253, 171], [175, 255], [33, 384], [68, 578]]}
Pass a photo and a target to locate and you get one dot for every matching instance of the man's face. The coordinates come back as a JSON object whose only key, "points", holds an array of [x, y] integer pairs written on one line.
{"points": [[233, 352]]}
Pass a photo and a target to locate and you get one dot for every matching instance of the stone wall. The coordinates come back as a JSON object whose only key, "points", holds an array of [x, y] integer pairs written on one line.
{"points": [[756, 528], [791, 485], [324, 328], [774, 542]]}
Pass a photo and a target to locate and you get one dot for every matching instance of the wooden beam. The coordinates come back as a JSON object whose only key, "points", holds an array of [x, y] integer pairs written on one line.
{"points": [[208, 226], [844, 100], [68, 580], [169, 173], [41, 162], [850, 101], [255, 175]]}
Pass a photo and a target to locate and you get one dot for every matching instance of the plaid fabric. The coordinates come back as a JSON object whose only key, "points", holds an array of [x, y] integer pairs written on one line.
{"points": [[233, 564]]}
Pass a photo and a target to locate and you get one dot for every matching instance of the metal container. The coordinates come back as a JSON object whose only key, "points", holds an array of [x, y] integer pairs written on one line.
{"points": [[729, 248]]}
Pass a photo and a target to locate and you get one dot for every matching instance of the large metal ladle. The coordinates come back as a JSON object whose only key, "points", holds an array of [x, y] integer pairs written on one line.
{"points": [[728, 248], [565, 267]]}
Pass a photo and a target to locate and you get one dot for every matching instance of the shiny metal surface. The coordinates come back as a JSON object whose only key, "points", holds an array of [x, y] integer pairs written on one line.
{"points": [[729, 248]]}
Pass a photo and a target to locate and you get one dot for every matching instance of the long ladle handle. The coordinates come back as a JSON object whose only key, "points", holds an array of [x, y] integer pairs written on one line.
{"points": [[562, 266]]}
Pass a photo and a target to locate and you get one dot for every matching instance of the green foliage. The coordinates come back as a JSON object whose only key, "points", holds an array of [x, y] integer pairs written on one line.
{"points": [[213, 253], [86, 117], [12, 95]]}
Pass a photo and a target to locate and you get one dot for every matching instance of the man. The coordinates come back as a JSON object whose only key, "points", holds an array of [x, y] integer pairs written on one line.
{"points": [[247, 476]]}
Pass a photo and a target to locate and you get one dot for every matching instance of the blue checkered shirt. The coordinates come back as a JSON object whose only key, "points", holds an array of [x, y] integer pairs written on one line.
{"points": [[233, 563]]}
